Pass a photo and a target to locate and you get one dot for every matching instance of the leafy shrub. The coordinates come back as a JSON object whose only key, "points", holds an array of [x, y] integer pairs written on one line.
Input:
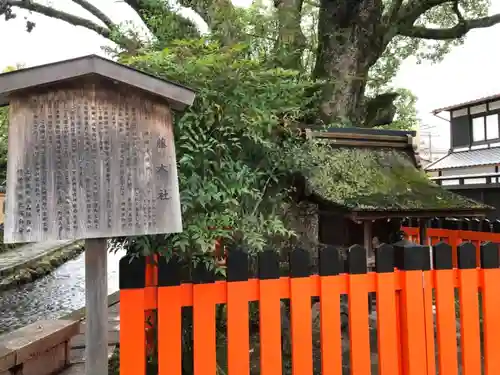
{"points": [[237, 146]]}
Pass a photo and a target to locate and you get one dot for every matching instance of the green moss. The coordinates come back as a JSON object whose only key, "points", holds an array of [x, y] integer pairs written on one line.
{"points": [[40, 267], [370, 179]]}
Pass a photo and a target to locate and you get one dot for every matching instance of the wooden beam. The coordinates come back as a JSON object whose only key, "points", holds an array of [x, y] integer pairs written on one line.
{"points": [[375, 137], [422, 224], [367, 236], [362, 143], [374, 215], [96, 302]]}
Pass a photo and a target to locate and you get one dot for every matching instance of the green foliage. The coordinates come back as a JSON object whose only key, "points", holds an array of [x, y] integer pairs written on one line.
{"points": [[264, 27], [401, 47], [166, 26], [236, 148]]}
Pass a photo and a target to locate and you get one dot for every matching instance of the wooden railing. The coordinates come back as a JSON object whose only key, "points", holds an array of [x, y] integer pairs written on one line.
{"points": [[413, 300]]}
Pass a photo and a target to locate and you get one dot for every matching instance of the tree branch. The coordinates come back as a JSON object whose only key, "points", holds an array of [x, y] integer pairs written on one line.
{"points": [[48, 11], [414, 9], [60, 15], [96, 12], [392, 12], [456, 9], [313, 3], [140, 8], [454, 32], [290, 42], [163, 22], [221, 17]]}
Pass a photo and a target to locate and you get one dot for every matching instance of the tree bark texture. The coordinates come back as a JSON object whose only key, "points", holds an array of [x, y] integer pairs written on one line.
{"points": [[290, 43], [349, 43]]}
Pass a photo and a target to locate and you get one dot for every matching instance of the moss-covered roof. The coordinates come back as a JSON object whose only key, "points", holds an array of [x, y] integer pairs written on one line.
{"points": [[380, 179]]}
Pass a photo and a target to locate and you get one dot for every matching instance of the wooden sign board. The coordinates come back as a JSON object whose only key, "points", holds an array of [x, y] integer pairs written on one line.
{"points": [[91, 160]]}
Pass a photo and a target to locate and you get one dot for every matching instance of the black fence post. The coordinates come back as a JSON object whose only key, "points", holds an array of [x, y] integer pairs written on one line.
{"points": [[486, 226], [475, 225], [496, 226], [489, 255], [442, 256], [466, 224], [435, 222], [466, 254]]}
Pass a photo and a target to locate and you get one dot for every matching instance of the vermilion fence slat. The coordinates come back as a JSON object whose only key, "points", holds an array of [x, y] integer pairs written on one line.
{"points": [[238, 341], [204, 333], [151, 281], [300, 306], [434, 240], [170, 330], [387, 323], [445, 322], [132, 332], [412, 324], [429, 323], [469, 322], [491, 310], [399, 331], [405, 321], [331, 349], [411, 233], [132, 316], [454, 240], [270, 327], [358, 325]]}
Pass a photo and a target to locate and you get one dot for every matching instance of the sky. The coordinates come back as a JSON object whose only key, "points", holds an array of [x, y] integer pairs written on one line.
{"points": [[468, 72]]}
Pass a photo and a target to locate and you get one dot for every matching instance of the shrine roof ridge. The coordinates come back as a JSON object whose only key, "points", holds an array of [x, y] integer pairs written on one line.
{"points": [[178, 96]]}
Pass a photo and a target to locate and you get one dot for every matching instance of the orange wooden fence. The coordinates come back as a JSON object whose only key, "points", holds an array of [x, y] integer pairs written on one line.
{"points": [[412, 339], [456, 231]]}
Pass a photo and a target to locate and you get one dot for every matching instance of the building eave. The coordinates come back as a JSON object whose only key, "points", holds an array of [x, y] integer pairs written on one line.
{"points": [[466, 104]]}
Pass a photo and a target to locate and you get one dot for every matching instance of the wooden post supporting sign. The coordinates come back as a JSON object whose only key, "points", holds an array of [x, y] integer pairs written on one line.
{"points": [[96, 296], [91, 156]]}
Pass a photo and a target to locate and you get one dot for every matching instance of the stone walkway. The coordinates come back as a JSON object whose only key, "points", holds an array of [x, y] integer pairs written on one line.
{"points": [[27, 253]]}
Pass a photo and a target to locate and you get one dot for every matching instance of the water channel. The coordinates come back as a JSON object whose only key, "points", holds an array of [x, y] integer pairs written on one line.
{"points": [[53, 295]]}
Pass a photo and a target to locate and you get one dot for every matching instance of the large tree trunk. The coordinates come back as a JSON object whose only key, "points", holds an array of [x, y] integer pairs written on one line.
{"points": [[290, 43], [349, 43]]}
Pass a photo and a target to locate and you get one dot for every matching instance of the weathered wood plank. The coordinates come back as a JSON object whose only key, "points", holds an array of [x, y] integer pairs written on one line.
{"points": [[90, 161], [96, 314]]}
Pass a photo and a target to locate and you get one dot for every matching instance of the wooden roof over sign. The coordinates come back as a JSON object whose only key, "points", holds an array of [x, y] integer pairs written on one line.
{"points": [[179, 97]]}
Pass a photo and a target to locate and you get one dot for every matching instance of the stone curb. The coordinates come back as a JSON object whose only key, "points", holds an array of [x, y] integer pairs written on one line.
{"points": [[55, 258], [79, 314], [6, 271]]}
